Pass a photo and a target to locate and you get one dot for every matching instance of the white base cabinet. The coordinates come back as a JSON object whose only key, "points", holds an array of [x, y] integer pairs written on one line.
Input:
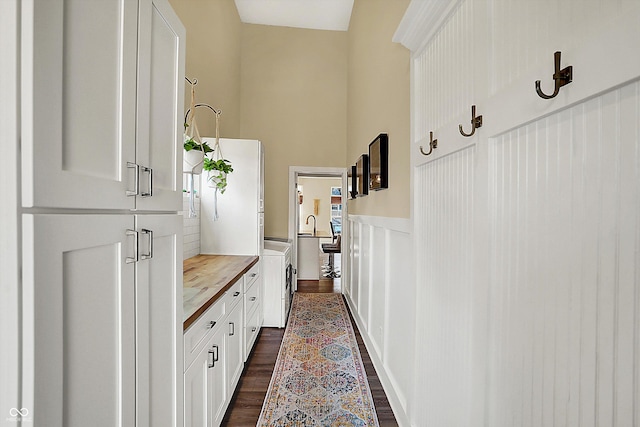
{"points": [[205, 385], [102, 337], [235, 346], [216, 347]]}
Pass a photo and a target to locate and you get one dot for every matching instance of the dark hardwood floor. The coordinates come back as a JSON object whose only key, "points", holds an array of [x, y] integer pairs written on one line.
{"points": [[247, 400]]}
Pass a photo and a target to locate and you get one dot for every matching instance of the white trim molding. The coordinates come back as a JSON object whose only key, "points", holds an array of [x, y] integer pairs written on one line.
{"points": [[421, 22]]}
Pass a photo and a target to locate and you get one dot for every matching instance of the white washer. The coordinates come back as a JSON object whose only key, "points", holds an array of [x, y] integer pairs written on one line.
{"points": [[278, 289]]}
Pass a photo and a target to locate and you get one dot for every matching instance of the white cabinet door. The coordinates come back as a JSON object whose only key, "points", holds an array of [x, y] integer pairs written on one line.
{"points": [[197, 411], [78, 311], [217, 382], [159, 378], [235, 343], [205, 384], [161, 83], [78, 103]]}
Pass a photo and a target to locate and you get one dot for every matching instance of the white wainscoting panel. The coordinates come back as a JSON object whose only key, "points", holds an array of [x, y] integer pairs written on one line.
{"points": [[565, 239], [355, 255], [385, 302], [364, 284], [444, 273], [378, 291]]}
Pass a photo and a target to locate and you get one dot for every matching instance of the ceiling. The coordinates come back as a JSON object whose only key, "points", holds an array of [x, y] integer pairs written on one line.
{"points": [[312, 14]]}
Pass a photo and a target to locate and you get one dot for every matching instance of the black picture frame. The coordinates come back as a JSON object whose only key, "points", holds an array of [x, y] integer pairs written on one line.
{"points": [[362, 175], [352, 181], [379, 163]]}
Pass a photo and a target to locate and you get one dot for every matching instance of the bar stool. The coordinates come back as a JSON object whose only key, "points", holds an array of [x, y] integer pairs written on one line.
{"points": [[331, 249]]}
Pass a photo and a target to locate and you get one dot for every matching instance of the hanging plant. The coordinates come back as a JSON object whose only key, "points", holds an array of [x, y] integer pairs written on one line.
{"points": [[190, 144], [217, 172]]}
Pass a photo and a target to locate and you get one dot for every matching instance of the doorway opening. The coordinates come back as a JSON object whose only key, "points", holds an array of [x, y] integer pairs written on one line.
{"points": [[317, 212]]}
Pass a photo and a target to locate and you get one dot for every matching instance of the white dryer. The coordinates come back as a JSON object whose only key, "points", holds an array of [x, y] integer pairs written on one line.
{"points": [[278, 289]]}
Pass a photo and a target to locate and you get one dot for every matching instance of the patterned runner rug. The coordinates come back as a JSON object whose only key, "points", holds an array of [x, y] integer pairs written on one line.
{"points": [[319, 379]]}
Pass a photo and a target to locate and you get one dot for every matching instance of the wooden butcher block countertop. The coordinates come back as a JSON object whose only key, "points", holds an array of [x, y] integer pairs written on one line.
{"points": [[206, 278]]}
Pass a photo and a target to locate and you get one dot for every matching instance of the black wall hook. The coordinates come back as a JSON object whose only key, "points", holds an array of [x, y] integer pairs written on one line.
{"points": [[476, 122], [561, 78], [433, 143]]}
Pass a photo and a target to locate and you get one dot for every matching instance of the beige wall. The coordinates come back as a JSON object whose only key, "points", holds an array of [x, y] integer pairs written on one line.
{"points": [[317, 188], [213, 57], [294, 99], [379, 102], [314, 98]]}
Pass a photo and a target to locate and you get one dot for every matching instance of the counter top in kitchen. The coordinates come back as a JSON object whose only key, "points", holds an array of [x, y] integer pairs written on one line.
{"points": [[206, 278], [319, 234]]}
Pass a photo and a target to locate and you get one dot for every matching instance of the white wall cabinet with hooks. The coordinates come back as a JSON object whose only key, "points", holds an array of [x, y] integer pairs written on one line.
{"points": [[524, 233]]}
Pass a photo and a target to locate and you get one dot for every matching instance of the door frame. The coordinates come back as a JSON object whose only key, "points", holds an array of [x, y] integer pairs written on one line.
{"points": [[329, 172]]}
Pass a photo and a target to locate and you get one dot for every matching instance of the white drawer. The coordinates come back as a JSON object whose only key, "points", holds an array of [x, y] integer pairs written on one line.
{"points": [[234, 295], [196, 335], [251, 331], [251, 276], [252, 298]]}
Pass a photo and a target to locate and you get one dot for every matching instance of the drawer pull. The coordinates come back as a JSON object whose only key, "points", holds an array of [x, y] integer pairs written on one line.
{"points": [[253, 329], [212, 324], [254, 274], [252, 299], [235, 294], [214, 356]]}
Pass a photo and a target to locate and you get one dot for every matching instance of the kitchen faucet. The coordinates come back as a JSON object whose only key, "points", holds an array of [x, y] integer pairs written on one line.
{"points": [[314, 223]]}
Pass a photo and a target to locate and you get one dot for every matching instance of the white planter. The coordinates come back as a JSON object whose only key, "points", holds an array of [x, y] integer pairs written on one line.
{"points": [[192, 161]]}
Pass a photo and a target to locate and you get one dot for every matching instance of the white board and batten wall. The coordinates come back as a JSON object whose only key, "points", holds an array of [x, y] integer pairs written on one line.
{"points": [[517, 276], [379, 285]]}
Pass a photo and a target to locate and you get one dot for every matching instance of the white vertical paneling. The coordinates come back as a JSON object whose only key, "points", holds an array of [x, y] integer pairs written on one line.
{"points": [[356, 256], [378, 289], [445, 192], [565, 209], [526, 33], [364, 284], [384, 304], [443, 88], [400, 316]]}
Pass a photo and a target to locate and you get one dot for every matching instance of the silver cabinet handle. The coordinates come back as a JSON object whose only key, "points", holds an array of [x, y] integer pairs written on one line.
{"points": [[150, 181], [211, 324], [232, 330], [136, 183], [252, 299], [254, 274], [235, 294], [131, 260], [149, 254], [254, 329]]}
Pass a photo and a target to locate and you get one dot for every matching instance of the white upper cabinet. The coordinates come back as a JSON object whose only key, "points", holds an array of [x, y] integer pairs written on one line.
{"points": [[78, 103], [160, 101], [93, 109]]}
